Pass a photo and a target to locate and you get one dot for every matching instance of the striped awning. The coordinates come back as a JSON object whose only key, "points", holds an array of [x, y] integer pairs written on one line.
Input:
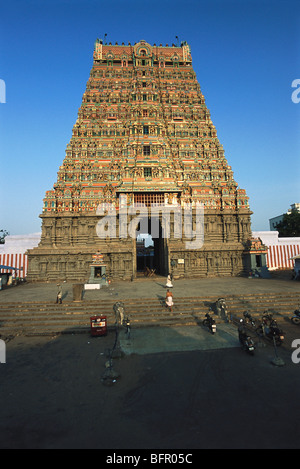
{"points": [[17, 263], [281, 256]]}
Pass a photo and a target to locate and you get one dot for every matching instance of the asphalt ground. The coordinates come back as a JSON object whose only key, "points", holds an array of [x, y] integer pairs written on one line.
{"points": [[173, 389], [54, 395]]}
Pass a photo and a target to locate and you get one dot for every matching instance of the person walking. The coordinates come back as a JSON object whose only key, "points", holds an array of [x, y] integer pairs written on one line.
{"points": [[169, 282], [59, 294], [169, 300]]}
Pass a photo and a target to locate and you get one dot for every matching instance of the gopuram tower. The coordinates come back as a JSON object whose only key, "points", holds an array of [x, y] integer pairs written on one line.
{"points": [[143, 138]]}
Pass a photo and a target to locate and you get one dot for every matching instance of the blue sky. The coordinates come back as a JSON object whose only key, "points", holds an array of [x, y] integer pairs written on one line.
{"points": [[245, 53]]}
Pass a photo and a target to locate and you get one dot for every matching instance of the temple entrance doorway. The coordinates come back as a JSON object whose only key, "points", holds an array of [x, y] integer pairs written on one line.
{"points": [[151, 251]]}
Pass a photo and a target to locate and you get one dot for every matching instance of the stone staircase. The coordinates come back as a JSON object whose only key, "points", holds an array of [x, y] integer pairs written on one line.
{"points": [[45, 318]]}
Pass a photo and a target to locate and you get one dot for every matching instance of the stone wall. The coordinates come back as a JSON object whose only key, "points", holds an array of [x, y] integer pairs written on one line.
{"points": [[68, 244]]}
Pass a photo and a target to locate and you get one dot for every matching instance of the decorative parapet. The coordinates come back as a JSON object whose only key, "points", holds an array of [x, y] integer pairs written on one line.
{"points": [[255, 245], [98, 258]]}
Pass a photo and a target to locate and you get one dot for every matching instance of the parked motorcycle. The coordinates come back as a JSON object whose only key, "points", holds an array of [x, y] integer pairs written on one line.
{"points": [[128, 328], [249, 319], [270, 329], [210, 323], [245, 340], [296, 318]]}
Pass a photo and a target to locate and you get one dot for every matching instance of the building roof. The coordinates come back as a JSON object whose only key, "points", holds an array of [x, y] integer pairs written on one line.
{"points": [[295, 257], [7, 267], [182, 52]]}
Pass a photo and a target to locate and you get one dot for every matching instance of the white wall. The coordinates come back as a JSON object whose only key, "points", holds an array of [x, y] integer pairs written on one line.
{"points": [[18, 244], [281, 250]]}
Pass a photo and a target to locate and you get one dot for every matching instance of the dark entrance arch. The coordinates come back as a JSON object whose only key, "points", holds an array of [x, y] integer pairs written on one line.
{"points": [[152, 249]]}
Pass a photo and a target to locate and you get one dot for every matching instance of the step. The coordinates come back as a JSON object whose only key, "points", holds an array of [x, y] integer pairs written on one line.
{"points": [[72, 317], [32, 306]]}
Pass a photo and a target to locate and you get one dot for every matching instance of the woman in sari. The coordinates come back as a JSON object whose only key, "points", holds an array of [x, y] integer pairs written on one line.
{"points": [[169, 282]]}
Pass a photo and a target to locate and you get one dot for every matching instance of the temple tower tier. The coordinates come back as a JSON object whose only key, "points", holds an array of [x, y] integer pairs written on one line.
{"points": [[144, 158]]}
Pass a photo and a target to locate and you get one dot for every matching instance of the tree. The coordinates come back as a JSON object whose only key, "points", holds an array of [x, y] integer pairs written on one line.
{"points": [[3, 234], [290, 225]]}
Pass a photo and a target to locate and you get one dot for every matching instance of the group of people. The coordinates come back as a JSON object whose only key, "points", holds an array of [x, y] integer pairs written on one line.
{"points": [[169, 295]]}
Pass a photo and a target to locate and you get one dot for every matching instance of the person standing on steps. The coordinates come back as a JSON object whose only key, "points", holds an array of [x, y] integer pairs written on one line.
{"points": [[59, 294], [169, 282], [169, 300]]}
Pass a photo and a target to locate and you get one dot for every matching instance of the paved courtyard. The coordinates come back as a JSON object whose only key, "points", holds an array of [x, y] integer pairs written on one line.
{"points": [[172, 339], [155, 287]]}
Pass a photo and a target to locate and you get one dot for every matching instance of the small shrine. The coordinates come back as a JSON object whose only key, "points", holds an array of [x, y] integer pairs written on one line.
{"points": [[255, 258], [98, 270]]}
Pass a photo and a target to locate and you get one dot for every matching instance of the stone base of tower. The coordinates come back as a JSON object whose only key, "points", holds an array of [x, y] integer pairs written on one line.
{"points": [[52, 265], [69, 242], [208, 262], [48, 266]]}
